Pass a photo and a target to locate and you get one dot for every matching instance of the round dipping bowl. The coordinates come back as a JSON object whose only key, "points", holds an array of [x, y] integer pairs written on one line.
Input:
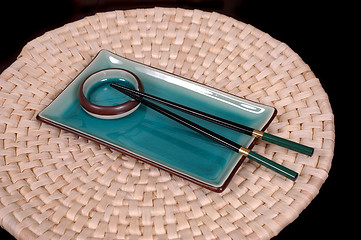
{"points": [[100, 100]]}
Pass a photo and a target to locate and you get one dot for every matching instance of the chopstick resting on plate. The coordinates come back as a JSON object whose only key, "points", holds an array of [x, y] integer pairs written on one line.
{"points": [[224, 122], [206, 132]]}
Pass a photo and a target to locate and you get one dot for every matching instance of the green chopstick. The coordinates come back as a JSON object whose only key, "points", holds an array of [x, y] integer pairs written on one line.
{"points": [[212, 135], [226, 123]]}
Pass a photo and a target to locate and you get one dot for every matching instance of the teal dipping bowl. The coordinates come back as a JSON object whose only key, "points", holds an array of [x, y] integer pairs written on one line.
{"points": [[100, 100]]}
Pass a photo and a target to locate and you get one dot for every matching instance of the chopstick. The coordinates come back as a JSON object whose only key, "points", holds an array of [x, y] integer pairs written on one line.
{"points": [[225, 123], [214, 136]]}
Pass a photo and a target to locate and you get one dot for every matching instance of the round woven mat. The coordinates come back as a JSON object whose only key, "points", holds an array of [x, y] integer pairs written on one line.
{"points": [[55, 184]]}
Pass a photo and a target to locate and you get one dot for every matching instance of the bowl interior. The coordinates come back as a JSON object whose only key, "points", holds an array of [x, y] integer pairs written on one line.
{"points": [[98, 91]]}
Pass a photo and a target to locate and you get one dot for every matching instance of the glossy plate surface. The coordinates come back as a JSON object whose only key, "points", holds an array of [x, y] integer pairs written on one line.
{"points": [[156, 139]]}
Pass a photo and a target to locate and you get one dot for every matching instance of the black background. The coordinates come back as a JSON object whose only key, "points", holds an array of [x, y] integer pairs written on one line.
{"points": [[315, 30]]}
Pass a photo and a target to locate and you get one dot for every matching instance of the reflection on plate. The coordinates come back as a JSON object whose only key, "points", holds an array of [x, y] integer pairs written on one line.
{"points": [[156, 139]]}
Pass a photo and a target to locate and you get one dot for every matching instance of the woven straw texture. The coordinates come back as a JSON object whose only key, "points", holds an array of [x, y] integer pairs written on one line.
{"points": [[56, 185]]}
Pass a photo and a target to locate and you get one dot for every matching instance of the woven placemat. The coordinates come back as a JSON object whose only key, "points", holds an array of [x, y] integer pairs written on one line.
{"points": [[55, 184]]}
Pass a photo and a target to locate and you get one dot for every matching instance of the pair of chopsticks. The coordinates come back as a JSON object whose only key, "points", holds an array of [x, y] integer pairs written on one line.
{"points": [[142, 97]]}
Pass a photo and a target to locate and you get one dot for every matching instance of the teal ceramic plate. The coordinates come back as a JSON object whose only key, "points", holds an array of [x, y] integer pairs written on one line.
{"points": [[156, 139]]}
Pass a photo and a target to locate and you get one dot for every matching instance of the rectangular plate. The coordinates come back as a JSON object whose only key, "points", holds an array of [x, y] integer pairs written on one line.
{"points": [[156, 139]]}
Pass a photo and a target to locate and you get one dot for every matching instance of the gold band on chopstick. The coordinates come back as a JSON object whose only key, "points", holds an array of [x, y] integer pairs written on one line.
{"points": [[244, 151], [257, 134]]}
